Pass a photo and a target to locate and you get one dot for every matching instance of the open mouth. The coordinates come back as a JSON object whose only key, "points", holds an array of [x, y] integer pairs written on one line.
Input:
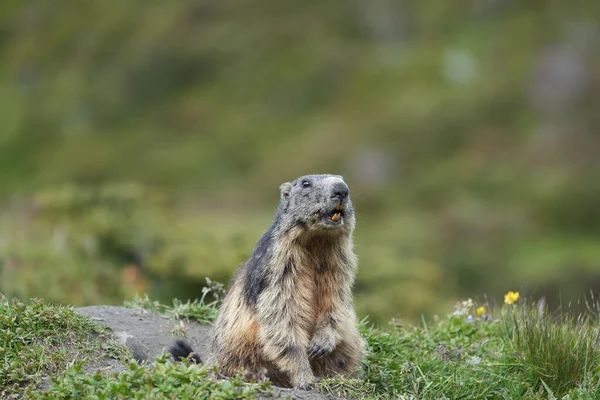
{"points": [[337, 215]]}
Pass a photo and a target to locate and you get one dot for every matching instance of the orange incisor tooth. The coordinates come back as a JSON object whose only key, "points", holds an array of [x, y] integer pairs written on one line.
{"points": [[339, 207], [335, 217]]}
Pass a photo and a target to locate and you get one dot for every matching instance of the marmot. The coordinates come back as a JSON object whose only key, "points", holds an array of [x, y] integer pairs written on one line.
{"points": [[289, 313]]}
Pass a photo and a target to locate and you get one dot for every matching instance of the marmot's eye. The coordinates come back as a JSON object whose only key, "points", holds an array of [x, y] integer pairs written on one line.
{"points": [[305, 184]]}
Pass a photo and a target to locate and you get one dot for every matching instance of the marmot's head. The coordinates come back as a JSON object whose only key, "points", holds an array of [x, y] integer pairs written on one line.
{"points": [[318, 203]]}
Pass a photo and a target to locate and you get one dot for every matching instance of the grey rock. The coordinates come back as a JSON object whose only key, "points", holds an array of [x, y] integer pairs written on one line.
{"points": [[147, 334]]}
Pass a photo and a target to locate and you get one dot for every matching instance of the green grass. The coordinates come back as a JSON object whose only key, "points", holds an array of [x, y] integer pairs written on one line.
{"points": [[516, 351], [513, 352], [38, 339], [160, 380], [197, 310], [559, 351]]}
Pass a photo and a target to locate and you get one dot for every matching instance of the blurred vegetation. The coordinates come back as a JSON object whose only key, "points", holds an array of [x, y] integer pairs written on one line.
{"points": [[142, 143]]}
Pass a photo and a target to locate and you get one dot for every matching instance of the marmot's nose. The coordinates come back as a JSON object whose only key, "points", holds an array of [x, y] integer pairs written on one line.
{"points": [[340, 191]]}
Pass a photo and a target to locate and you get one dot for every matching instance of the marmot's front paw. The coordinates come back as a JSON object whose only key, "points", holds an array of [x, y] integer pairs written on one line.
{"points": [[320, 346]]}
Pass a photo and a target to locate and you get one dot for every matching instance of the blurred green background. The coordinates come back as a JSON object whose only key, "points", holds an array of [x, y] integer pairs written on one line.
{"points": [[142, 143]]}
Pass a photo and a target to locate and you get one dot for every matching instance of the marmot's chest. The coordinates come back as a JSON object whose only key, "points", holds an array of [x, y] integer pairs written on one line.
{"points": [[316, 290]]}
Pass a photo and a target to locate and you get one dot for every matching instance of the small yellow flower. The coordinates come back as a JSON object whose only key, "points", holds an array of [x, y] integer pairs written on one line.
{"points": [[511, 297], [480, 311]]}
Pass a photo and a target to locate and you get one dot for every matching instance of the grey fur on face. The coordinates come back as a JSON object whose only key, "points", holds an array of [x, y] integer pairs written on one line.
{"points": [[311, 200]]}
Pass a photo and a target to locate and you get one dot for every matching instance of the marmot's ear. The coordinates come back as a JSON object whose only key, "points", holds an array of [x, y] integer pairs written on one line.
{"points": [[285, 189]]}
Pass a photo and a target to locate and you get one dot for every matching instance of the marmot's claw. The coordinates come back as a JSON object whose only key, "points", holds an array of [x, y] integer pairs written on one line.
{"points": [[315, 350], [305, 386], [320, 345]]}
